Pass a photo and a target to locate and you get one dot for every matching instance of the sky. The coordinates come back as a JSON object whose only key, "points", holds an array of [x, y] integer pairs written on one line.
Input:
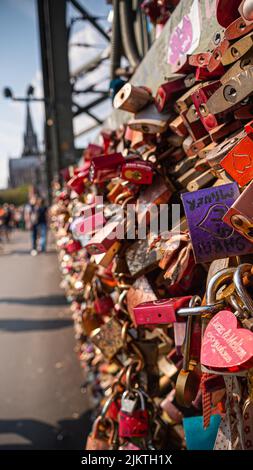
{"points": [[20, 66]]}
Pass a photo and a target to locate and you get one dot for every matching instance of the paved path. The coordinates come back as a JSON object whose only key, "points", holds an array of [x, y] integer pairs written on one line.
{"points": [[41, 405]]}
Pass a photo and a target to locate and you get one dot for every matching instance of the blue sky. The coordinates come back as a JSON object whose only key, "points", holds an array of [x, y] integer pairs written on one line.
{"points": [[20, 65]]}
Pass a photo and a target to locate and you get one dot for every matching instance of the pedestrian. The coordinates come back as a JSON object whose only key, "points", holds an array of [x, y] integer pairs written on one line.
{"points": [[42, 224], [34, 217], [7, 220]]}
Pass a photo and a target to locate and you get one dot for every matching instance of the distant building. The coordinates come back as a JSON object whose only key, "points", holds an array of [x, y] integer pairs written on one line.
{"points": [[29, 169]]}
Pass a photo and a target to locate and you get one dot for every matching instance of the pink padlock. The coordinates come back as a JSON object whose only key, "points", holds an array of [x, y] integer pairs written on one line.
{"points": [[159, 312]]}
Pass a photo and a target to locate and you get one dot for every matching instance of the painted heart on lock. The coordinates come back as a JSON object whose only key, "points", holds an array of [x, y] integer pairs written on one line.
{"points": [[225, 345], [241, 162], [212, 222]]}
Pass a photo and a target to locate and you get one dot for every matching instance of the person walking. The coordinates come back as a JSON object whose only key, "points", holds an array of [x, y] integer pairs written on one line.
{"points": [[34, 218], [42, 224]]}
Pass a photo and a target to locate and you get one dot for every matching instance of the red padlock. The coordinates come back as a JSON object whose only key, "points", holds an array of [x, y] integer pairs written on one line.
{"points": [[193, 123], [200, 60], [72, 246], [227, 11], [77, 182], [200, 98], [105, 167], [215, 59], [203, 74], [239, 161], [166, 92], [237, 29], [137, 172], [159, 312], [92, 151], [103, 305], [136, 423]]}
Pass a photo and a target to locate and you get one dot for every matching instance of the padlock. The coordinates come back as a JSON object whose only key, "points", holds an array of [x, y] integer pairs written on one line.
{"points": [[73, 246], [77, 182], [167, 92], [227, 11], [193, 123], [88, 225], [91, 151], [98, 440], [200, 60], [104, 239], [158, 312], [219, 133], [246, 10], [225, 346], [185, 101], [231, 93], [135, 424], [188, 379], [105, 167], [217, 55], [105, 259], [140, 291], [240, 214], [172, 411], [178, 127], [200, 98], [149, 121], [103, 305], [129, 401], [203, 180], [237, 49], [108, 338], [131, 98], [237, 29], [182, 66], [202, 74], [238, 162], [241, 65], [149, 350], [204, 211], [138, 173]]}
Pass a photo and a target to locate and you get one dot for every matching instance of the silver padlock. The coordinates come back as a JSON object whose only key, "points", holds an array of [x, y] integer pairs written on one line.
{"points": [[129, 401]]}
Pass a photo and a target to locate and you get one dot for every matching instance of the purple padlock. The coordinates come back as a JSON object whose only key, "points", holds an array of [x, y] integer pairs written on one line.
{"points": [[211, 237]]}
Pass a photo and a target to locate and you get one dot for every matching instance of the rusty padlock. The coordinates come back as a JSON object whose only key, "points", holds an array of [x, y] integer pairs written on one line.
{"points": [[99, 440]]}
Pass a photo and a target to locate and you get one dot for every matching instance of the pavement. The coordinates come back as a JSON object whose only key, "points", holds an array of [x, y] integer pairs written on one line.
{"points": [[41, 404]]}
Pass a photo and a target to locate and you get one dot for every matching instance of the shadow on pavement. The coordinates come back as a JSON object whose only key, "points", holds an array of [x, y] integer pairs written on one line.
{"points": [[70, 434], [47, 301], [23, 252], [16, 325]]}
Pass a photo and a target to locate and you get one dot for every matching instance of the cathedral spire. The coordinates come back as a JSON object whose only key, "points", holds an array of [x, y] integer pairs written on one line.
{"points": [[30, 137]]}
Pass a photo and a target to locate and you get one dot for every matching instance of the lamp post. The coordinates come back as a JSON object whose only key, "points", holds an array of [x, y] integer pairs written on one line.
{"points": [[28, 98], [8, 93]]}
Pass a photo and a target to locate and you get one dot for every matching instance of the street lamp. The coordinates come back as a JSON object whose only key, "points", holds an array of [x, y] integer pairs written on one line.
{"points": [[8, 93]]}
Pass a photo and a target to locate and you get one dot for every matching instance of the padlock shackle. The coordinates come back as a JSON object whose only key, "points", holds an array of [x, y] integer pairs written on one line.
{"points": [[137, 392], [95, 427], [240, 289], [216, 282], [107, 404], [136, 364], [121, 301], [201, 309]]}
